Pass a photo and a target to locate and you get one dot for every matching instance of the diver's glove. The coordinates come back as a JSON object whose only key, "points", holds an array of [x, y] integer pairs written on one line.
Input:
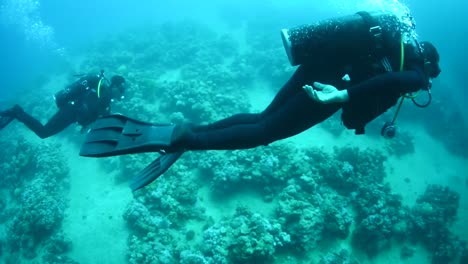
{"points": [[325, 93]]}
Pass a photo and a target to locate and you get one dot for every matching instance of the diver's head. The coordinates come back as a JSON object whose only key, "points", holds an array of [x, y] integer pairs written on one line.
{"points": [[431, 59], [118, 82]]}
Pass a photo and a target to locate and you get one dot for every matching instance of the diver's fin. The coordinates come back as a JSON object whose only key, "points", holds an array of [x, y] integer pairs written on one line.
{"points": [[119, 135], [154, 170], [5, 120]]}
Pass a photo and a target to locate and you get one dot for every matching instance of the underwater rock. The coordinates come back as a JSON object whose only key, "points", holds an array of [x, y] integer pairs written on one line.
{"points": [[406, 252], [341, 256]]}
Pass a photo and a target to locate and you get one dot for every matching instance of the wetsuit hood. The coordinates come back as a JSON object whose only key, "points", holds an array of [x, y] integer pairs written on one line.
{"points": [[431, 59]]}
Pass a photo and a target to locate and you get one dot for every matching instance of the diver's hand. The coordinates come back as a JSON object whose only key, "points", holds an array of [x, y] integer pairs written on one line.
{"points": [[326, 94]]}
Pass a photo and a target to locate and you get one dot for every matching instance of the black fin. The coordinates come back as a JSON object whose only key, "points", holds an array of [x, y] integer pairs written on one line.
{"points": [[154, 170], [119, 135]]}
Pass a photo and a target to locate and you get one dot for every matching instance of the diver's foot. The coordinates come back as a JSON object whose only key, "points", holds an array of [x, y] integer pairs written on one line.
{"points": [[12, 112], [179, 138], [5, 120]]}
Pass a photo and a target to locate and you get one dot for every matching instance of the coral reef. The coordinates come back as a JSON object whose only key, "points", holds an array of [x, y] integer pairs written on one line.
{"points": [[352, 168], [245, 238], [253, 238], [381, 218], [432, 216], [401, 144], [36, 180], [341, 256]]}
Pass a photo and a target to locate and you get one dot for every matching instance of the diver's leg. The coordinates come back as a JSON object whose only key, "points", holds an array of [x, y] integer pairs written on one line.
{"points": [[294, 116], [5, 120], [302, 76], [292, 87], [6, 116], [58, 122]]}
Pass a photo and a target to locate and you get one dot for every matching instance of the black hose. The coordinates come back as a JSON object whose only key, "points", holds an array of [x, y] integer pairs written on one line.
{"points": [[429, 100]]}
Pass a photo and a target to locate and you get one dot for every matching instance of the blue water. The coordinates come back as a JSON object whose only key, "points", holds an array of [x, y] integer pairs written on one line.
{"points": [[73, 24]]}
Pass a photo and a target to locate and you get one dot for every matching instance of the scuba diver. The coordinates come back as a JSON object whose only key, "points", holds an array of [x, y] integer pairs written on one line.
{"points": [[362, 63], [81, 102]]}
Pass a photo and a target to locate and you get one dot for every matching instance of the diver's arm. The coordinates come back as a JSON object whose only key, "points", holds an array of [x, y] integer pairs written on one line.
{"points": [[390, 83], [387, 83]]}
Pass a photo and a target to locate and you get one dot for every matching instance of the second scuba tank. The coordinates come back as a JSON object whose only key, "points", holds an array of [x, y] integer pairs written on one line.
{"points": [[62, 98], [343, 39], [72, 92]]}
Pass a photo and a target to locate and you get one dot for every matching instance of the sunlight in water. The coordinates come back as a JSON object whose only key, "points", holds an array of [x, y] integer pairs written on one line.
{"points": [[393, 6], [25, 15]]}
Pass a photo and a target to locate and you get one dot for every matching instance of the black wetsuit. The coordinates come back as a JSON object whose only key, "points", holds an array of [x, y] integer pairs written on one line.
{"points": [[292, 111], [82, 106]]}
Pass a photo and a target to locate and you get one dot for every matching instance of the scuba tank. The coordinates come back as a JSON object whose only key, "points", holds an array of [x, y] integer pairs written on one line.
{"points": [[75, 91], [338, 41], [61, 98], [67, 95]]}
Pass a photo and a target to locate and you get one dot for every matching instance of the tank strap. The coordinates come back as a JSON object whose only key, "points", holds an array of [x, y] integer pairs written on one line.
{"points": [[375, 32], [386, 64]]}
